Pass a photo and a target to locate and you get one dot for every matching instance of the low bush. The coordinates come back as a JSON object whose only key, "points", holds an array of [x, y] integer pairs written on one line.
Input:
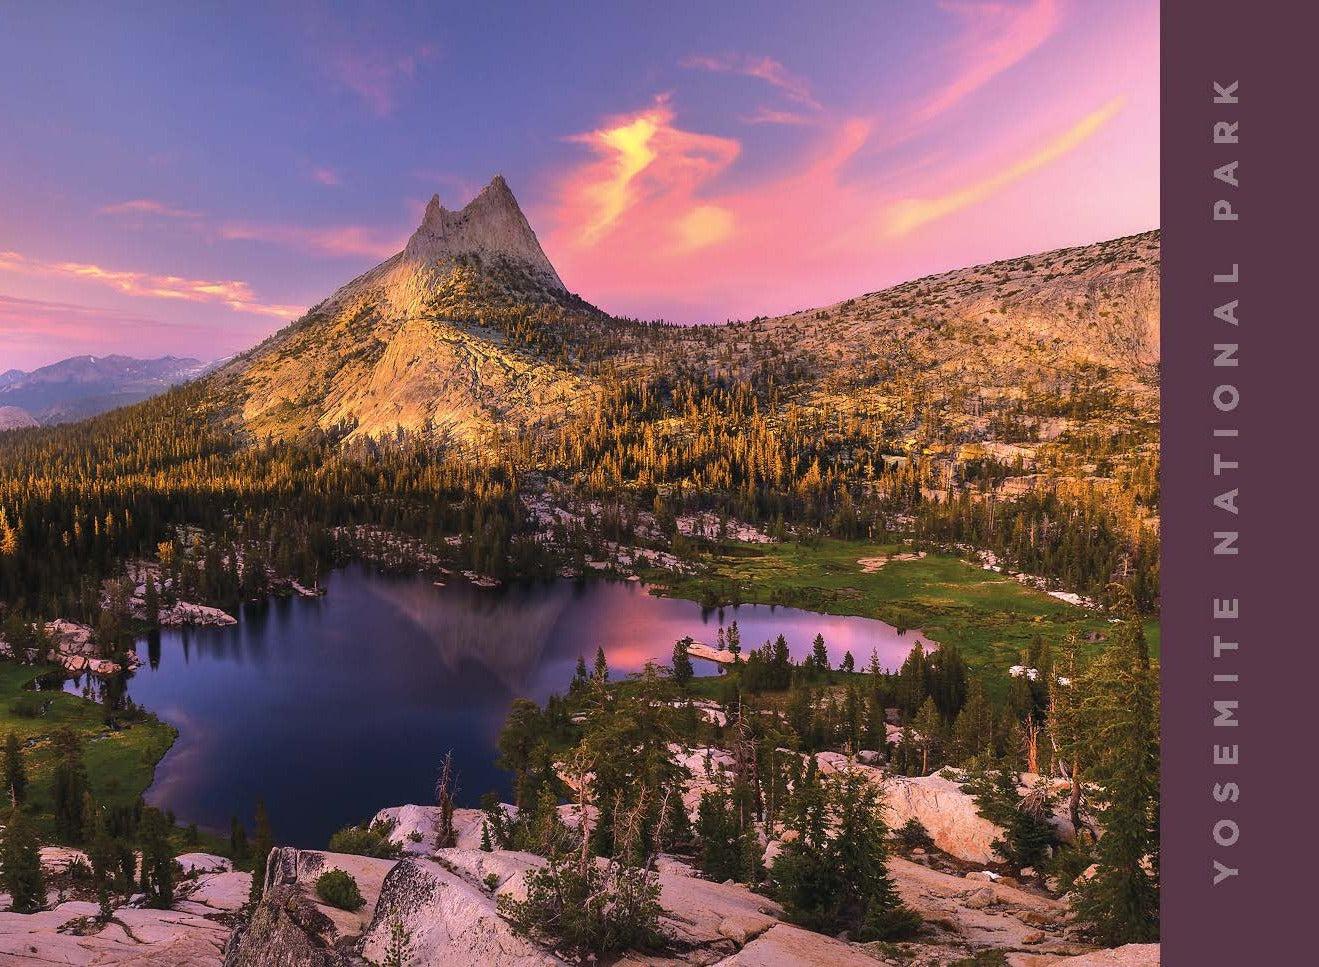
{"points": [[339, 889], [370, 840], [913, 834], [29, 705], [601, 910]]}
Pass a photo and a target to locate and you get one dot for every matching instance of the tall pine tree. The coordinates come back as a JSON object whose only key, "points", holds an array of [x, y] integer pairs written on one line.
{"points": [[1117, 711]]}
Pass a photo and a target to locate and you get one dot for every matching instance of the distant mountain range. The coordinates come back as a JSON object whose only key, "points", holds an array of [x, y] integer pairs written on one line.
{"points": [[82, 386]]}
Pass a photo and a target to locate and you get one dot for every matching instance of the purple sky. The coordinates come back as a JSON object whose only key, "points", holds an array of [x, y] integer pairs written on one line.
{"points": [[185, 181]]}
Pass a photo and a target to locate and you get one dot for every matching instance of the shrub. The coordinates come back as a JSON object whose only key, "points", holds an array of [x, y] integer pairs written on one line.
{"points": [[1067, 864], [29, 705], [339, 889], [913, 834], [600, 909], [833, 876], [370, 840]]}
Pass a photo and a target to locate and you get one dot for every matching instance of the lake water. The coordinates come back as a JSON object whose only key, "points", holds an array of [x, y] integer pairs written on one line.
{"points": [[334, 707]]}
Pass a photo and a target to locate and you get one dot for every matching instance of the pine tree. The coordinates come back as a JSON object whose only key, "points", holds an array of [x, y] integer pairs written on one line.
{"points": [[1117, 711], [20, 858], [973, 731], [103, 854], [151, 602], [834, 874], [716, 831], [1027, 834], [682, 663], [912, 683], [849, 663], [237, 840], [580, 676], [70, 785], [928, 727], [947, 674], [8, 536], [157, 879], [679, 837], [15, 776], [518, 744], [446, 794], [263, 841], [601, 666], [819, 654]]}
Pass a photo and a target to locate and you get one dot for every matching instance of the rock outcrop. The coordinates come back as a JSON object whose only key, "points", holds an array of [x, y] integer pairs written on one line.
{"points": [[492, 227], [442, 906], [15, 418], [71, 645], [447, 920], [1131, 955], [192, 933]]}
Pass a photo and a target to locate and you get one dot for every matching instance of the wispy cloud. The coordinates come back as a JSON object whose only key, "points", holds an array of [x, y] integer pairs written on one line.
{"points": [[148, 207], [232, 294], [640, 158], [36, 332], [647, 217], [325, 176], [768, 115], [767, 69], [338, 241], [374, 75], [908, 214], [993, 36]]}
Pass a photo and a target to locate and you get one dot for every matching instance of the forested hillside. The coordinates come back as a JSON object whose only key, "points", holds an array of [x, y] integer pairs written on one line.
{"points": [[458, 398]]}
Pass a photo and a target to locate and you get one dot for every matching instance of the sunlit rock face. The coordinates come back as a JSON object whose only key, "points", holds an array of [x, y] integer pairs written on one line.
{"points": [[492, 226], [408, 345]]}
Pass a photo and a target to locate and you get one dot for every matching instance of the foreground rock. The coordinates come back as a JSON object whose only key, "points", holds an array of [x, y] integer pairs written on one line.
{"points": [[193, 933], [448, 921], [445, 903], [1132, 955], [783, 945]]}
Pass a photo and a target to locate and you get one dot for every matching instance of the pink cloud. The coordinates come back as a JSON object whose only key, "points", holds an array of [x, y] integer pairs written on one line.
{"points": [[768, 115], [766, 69], [641, 160], [994, 36], [325, 176], [37, 332], [337, 241], [648, 221], [146, 206], [231, 294], [908, 214], [374, 75]]}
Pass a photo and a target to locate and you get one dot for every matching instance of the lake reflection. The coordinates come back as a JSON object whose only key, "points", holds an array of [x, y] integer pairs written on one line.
{"points": [[334, 707]]}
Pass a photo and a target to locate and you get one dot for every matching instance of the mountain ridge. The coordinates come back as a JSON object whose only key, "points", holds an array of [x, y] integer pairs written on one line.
{"points": [[469, 332], [84, 385]]}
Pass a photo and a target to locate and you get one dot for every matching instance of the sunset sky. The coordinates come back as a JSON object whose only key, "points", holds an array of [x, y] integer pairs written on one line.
{"points": [[184, 181]]}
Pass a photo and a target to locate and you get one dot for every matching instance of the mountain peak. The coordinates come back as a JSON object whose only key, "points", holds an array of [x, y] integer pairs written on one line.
{"points": [[490, 227]]}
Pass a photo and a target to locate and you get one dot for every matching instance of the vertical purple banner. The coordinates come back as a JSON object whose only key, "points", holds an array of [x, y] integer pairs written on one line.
{"points": [[1239, 532]]}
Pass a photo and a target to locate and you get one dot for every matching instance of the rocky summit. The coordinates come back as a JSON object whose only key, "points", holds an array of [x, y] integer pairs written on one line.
{"points": [[492, 226], [402, 347]]}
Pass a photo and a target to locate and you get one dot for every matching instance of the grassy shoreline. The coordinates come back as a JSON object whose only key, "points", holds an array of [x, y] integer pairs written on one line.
{"points": [[121, 762], [991, 617]]}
